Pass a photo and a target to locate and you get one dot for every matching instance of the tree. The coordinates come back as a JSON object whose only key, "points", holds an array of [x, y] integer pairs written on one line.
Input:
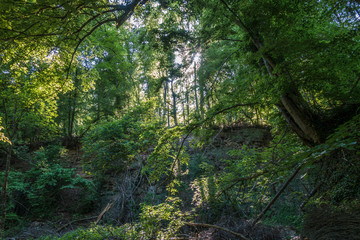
{"points": [[37, 38], [291, 45], [28, 104]]}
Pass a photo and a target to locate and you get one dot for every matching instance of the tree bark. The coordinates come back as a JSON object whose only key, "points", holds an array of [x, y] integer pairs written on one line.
{"points": [[183, 112], [165, 104], [202, 91], [187, 104], [301, 120], [4, 192], [72, 106], [195, 88], [174, 111], [291, 105]]}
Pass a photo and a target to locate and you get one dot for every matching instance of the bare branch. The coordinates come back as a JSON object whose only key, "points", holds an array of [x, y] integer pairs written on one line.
{"points": [[82, 39], [121, 20], [218, 73], [241, 180]]}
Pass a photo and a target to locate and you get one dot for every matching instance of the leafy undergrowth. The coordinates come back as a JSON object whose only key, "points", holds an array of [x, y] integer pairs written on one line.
{"points": [[223, 185], [48, 191], [98, 233]]}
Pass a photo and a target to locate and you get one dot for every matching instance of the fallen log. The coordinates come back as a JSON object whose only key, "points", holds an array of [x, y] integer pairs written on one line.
{"points": [[74, 221], [217, 227]]}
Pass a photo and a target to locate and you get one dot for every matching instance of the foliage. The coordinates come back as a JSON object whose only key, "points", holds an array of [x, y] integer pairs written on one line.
{"points": [[49, 154], [336, 168], [99, 233], [37, 191], [47, 181], [168, 157], [345, 136], [3, 138], [161, 221], [240, 182], [115, 145], [164, 220], [69, 71], [29, 96], [286, 214]]}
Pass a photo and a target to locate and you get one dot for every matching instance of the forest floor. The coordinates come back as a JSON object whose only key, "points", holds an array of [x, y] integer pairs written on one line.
{"points": [[108, 207]]}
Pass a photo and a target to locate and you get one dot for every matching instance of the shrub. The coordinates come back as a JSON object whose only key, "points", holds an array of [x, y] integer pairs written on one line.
{"points": [[164, 220], [46, 183], [38, 191], [127, 232], [161, 221], [115, 145]]}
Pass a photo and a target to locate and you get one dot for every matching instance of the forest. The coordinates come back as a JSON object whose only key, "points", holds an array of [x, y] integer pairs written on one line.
{"points": [[180, 119]]}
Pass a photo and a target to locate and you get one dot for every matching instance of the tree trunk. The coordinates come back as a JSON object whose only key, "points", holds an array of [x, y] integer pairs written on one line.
{"points": [[183, 112], [291, 105], [168, 116], [174, 102], [72, 105], [300, 118], [195, 88], [73, 112], [4, 192], [296, 111], [165, 105], [202, 94], [187, 104]]}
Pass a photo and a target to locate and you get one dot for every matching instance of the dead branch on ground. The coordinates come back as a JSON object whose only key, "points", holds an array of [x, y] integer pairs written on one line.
{"points": [[217, 227]]}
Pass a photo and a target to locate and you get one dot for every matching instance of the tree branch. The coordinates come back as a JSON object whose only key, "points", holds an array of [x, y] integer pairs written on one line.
{"points": [[121, 20], [277, 195], [193, 126], [255, 39], [354, 86], [312, 193], [82, 39], [218, 73], [74, 221], [242, 179]]}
